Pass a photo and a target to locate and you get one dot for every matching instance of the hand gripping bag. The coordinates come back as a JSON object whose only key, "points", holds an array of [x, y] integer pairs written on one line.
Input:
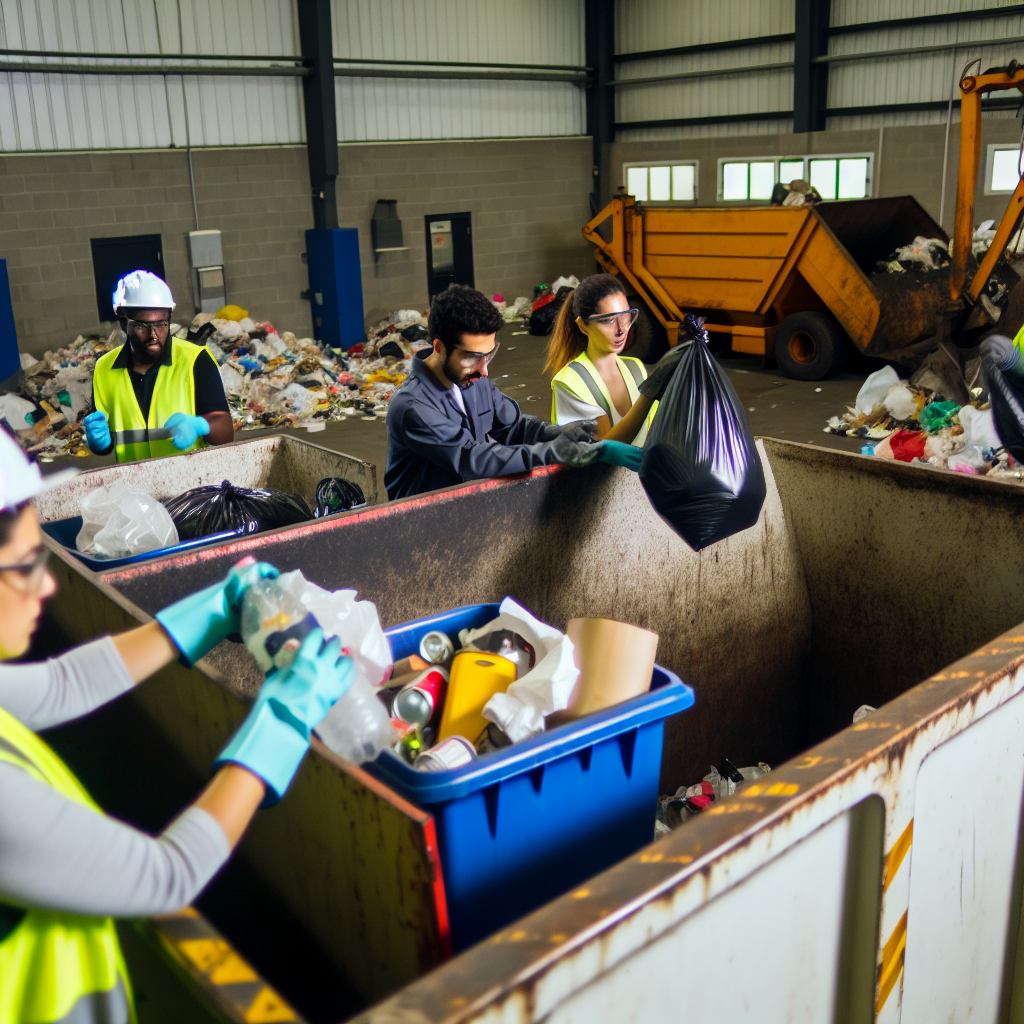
{"points": [[699, 467]]}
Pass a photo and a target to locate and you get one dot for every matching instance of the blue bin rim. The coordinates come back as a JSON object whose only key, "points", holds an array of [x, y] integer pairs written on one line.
{"points": [[53, 530], [668, 696]]}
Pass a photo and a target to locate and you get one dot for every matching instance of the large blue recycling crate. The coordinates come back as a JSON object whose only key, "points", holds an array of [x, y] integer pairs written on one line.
{"points": [[523, 825]]}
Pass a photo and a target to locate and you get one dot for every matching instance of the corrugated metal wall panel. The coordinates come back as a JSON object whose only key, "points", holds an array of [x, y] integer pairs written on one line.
{"points": [[505, 31], [66, 111], [912, 78], [660, 24]]}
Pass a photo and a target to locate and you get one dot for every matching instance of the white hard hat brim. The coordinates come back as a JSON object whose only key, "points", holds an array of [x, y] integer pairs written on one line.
{"points": [[36, 486]]}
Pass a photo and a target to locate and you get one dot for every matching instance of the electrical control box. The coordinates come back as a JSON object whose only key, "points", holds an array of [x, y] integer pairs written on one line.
{"points": [[206, 255]]}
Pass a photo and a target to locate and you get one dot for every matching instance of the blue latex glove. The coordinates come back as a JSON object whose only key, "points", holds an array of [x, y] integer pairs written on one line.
{"points": [[97, 433], [186, 430], [615, 453], [199, 622], [273, 739]]}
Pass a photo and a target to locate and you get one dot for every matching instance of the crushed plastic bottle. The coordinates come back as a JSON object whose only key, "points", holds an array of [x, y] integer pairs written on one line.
{"points": [[274, 623]]}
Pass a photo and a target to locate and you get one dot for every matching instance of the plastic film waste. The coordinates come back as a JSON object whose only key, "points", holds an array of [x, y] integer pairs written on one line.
{"points": [[1007, 400], [118, 523], [223, 508], [700, 467]]}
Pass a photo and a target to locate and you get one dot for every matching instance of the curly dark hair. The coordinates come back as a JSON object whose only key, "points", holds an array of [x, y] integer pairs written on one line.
{"points": [[460, 310]]}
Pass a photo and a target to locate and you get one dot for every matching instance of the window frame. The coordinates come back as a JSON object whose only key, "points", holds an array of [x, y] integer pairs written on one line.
{"points": [[647, 164], [792, 158], [990, 152]]}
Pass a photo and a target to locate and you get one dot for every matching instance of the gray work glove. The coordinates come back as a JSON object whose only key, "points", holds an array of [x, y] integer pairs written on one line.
{"points": [[581, 430], [574, 453], [1001, 350], [657, 380]]}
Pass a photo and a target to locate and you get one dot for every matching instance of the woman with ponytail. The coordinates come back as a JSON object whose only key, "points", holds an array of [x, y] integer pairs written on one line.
{"points": [[592, 379]]}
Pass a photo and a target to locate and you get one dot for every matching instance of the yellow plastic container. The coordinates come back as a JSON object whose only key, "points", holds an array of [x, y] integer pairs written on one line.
{"points": [[475, 678]]}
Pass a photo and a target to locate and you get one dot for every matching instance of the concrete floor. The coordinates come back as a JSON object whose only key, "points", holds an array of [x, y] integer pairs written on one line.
{"points": [[777, 406]]}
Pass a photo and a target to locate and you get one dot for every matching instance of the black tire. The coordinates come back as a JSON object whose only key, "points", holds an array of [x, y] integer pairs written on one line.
{"points": [[811, 346], [650, 339]]}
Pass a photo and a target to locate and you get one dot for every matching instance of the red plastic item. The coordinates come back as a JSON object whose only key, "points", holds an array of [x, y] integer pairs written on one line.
{"points": [[542, 301], [356, 350], [908, 444]]}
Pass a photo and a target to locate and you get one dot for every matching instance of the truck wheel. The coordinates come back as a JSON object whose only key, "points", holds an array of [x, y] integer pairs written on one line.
{"points": [[810, 346], [650, 339]]}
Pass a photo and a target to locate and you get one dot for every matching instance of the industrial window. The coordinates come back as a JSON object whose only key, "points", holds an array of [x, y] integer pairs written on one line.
{"points": [[662, 183], [1002, 175], [835, 177]]}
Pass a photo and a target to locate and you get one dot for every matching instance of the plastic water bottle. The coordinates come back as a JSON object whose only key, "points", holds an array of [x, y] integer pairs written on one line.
{"points": [[274, 623]]}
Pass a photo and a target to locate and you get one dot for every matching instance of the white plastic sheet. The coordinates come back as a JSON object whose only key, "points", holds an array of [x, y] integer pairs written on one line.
{"points": [[118, 523], [873, 389]]}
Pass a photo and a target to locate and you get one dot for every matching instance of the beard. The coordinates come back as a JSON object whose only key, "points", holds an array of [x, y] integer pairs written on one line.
{"points": [[461, 380], [141, 354]]}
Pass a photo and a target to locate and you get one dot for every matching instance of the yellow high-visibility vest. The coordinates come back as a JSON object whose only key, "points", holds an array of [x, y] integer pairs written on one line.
{"points": [[55, 964], [134, 437], [582, 379]]}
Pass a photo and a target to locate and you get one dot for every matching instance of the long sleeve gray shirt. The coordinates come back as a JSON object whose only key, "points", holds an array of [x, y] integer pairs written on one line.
{"points": [[59, 855]]}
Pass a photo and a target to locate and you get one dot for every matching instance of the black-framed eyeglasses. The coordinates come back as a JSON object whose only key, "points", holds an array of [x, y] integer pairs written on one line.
{"points": [[467, 358], [145, 326], [28, 576], [627, 318]]}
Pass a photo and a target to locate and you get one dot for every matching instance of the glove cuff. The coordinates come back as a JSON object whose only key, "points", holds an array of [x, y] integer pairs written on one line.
{"points": [[269, 748], [198, 623]]}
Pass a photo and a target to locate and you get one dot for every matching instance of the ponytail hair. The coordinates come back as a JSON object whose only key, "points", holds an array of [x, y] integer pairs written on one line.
{"points": [[568, 342]]}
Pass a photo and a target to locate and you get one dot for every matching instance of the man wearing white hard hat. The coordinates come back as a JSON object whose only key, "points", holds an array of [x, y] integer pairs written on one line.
{"points": [[156, 395], [66, 869]]}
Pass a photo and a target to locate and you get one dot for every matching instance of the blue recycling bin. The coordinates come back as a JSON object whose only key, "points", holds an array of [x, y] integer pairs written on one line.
{"points": [[522, 825]]}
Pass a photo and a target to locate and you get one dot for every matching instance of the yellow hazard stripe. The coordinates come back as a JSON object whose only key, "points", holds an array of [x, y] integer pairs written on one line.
{"points": [[210, 959], [900, 849], [892, 962]]}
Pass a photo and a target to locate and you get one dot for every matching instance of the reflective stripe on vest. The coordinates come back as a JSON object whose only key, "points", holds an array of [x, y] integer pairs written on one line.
{"points": [[134, 437], [56, 967], [581, 379]]}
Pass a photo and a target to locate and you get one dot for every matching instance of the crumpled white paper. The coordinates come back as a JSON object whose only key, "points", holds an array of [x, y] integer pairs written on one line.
{"points": [[546, 688]]}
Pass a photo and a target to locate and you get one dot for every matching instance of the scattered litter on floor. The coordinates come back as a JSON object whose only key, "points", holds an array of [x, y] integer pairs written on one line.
{"points": [[688, 801], [939, 417]]}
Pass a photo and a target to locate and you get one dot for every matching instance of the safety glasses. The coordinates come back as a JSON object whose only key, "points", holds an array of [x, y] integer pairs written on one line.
{"points": [[608, 320], [27, 577], [468, 359], [145, 326]]}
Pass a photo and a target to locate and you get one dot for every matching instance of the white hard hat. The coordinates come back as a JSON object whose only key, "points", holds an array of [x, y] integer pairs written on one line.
{"points": [[21, 479], [142, 290]]}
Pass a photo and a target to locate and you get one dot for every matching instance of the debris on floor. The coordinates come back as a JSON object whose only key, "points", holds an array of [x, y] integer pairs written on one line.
{"points": [[926, 420], [688, 801]]}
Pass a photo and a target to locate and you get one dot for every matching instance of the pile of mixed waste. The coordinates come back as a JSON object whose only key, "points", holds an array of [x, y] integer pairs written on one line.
{"points": [[271, 378], [918, 421]]}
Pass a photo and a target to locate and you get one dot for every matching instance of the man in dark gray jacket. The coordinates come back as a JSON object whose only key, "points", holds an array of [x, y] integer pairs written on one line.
{"points": [[448, 423]]}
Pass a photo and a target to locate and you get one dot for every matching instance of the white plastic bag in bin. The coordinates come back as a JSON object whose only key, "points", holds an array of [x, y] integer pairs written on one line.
{"points": [[119, 523]]}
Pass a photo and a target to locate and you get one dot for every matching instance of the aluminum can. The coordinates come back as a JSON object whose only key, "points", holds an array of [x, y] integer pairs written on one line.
{"points": [[417, 701], [454, 752], [437, 648]]}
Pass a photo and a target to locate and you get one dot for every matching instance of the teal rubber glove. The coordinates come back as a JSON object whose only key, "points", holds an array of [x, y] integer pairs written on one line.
{"points": [[97, 433], [199, 622], [615, 453], [274, 737], [186, 430]]}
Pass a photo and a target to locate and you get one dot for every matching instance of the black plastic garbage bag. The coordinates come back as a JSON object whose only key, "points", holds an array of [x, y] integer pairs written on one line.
{"points": [[542, 321], [218, 509], [700, 468], [336, 495], [1007, 398]]}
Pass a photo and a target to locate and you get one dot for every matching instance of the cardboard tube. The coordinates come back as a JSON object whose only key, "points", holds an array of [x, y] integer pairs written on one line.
{"points": [[615, 660]]}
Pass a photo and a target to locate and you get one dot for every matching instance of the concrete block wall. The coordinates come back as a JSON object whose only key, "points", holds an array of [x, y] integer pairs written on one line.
{"points": [[528, 199], [908, 160]]}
